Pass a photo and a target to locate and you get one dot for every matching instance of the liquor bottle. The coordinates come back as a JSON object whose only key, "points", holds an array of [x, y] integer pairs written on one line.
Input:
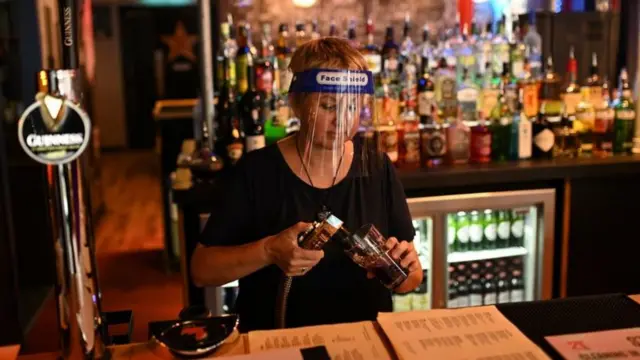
{"points": [[315, 34], [387, 128], [524, 130], [243, 58], [503, 229], [424, 51], [446, 97], [366, 130], [625, 116], [333, 31], [503, 288], [452, 302], [253, 118], [265, 65], [475, 290], [407, 46], [462, 231], [480, 142], [517, 53], [226, 57], [550, 113], [433, 142], [490, 229], [252, 47], [283, 58], [585, 121], [490, 93], [516, 287], [483, 51], [390, 58], [351, 34], [468, 97], [463, 291], [517, 229], [407, 68], [301, 35], [500, 47], [451, 233], [475, 231], [466, 58], [571, 92], [426, 92], [594, 82], [530, 88], [458, 146], [501, 122], [603, 126], [533, 41], [489, 297], [566, 143], [371, 53], [410, 144], [234, 138], [510, 88]]}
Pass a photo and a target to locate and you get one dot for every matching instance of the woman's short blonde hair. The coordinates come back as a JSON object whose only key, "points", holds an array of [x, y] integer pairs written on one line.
{"points": [[325, 53]]}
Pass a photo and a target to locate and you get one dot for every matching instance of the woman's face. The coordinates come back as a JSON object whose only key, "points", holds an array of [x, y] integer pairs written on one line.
{"points": [[329, 120]]}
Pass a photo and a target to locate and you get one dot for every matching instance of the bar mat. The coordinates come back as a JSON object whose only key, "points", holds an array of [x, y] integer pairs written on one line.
{"points": [[574, 315]]}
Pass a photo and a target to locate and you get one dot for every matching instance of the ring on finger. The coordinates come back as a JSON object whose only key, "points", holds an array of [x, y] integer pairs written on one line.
{"points": [[303, 270]]}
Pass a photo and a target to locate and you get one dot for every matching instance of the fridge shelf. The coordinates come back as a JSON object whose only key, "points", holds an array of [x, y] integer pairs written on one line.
{"points": [[485, 254]]}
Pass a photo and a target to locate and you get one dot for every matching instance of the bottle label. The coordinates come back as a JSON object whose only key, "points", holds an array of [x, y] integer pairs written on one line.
{"points": [[504, 121], [475, 299], [463, 301], [447, 90], [490, 232], [587, 119], [243, 79], [390, 144], [517, 295], [518, 68], [412, 147], [503, 230], [517, 228], [489, 101], [264, 80], [391, 65], [481, 144], [625, 114], [425, 102], [571, 102], [604, 120], [434, 143], [489, 299], [524, 138], [285, 74], [595, 95], [468, 95], [231, 72], [282, 116], [234, 150], [374, 63], [503, 297], [463, 234], [475, 233], [545, 140], [255, 142], [530, 99], [459, 142]]}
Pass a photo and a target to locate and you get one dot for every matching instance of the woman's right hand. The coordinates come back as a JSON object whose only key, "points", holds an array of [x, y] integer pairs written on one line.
{"points": [[283, 250]]}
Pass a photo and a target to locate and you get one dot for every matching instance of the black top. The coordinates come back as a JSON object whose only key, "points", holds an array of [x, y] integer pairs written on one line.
{"points": [[264, 196]]}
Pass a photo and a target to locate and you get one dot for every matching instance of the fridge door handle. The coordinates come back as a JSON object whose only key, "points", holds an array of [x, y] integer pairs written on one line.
{"points": [[439, 266]]}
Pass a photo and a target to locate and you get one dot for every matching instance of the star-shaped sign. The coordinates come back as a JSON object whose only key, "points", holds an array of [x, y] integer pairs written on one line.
{"points": [[180, 43]]}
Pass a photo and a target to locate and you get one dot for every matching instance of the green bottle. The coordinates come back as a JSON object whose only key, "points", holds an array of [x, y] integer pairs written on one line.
{"points": [[462, 231], [451, 233], [517, 229], [625, 116], [504, 229], [501, 122], [490, 229], [475, 231]]}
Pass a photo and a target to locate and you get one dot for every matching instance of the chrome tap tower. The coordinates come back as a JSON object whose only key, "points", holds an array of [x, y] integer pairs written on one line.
{"points": [[55, 131]]}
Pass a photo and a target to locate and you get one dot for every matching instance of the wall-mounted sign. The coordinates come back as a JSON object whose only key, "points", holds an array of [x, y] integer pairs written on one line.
{"points": [[54, 130]]}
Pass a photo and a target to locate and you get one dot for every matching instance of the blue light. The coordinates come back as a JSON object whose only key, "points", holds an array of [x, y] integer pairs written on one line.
{"points": [[557, 7], [167, 2]]}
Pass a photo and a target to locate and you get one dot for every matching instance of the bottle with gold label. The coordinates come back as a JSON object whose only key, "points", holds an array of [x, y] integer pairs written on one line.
{"points": [[550, 113], [603, 125], [489, 94], [446, 95], [530, 92], [387, 126], [571, 91], [585, 121], [625, 116], [243, 58], [226, 57]]}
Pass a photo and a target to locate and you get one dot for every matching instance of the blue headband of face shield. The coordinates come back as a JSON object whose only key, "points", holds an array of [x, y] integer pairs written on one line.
{"points": [[332, 81]]}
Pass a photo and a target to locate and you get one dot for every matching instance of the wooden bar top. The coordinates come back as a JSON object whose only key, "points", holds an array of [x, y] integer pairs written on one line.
{"points": [[151, 350]]}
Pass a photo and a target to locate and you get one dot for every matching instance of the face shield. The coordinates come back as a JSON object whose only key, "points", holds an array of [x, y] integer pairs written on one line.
{"points": [[336, 113]]}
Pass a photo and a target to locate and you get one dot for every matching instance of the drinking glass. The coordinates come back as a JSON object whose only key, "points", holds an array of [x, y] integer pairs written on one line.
{"points": [[367, 248]]}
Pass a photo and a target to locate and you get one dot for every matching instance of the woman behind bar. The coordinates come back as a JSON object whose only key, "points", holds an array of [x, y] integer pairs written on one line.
{"points": [[274, 194]]}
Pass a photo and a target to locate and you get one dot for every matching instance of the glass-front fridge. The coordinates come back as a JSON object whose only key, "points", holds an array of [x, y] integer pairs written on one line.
{"points": [[482, 249]]}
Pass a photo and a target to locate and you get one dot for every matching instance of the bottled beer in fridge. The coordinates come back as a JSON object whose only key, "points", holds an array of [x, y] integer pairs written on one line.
{"points": [[489, 297], [463, 292], [490, 230], [504, 229], [453, 289], [503, 288], [451, 233], [475, 290], [517, 286], [462, 231], [475, 231], [517, 229]]}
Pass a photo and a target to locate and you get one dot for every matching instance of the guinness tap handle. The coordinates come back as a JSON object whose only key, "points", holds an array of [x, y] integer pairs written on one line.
{"points": [[67, 12]]}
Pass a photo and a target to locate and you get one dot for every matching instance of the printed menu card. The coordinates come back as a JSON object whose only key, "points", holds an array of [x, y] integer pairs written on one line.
{"points": [[474, 333], [611, 344]]}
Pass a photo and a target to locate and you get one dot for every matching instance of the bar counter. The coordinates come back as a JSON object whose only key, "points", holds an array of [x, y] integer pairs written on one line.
{"points": [[534, 319]]}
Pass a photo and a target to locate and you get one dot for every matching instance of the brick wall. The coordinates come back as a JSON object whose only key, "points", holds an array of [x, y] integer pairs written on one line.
{"points": [[434, 13]]}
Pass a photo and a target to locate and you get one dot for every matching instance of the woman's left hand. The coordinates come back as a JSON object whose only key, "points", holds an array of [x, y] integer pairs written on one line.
{"points": [[404, 253]]}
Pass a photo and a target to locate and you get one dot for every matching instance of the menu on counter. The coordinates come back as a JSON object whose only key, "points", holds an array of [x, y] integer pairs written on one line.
{"points": [[314, 353], [351, 341], [474, 333], [601, 345]]}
